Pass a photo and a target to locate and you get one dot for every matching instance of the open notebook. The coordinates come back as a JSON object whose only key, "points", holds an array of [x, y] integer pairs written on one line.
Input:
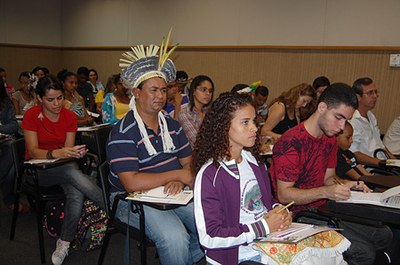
{"points": [[389, 198], [157, 195]]}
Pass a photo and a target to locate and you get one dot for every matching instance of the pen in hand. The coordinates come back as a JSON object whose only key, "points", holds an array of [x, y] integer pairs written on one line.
{"points": [[285, 207], [336, 181]]}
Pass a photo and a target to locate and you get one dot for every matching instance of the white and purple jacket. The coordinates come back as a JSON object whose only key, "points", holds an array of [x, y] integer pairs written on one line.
{"points": [[217, 210]]}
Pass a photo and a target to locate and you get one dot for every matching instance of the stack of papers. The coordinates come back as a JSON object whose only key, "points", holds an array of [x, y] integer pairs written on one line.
{"points": [[295, 233], [157, 195]]}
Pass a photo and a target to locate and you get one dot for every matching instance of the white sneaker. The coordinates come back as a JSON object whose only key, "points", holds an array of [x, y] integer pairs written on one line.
{"points": [[60, 253]]}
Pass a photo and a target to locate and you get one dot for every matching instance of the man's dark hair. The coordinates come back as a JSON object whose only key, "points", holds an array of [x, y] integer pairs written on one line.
{"points": [[337, 94], [83, 70], [2, 70], [357, 85], [320, 81], [262, 90]]}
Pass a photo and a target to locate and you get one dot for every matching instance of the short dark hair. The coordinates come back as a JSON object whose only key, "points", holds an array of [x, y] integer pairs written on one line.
{"points": [[320, 81], [357, 85], [25, 73], [46, 83], [262, 90], [2, 70], [83, 70], [37, 68], [64, 74], [337, 94], [238, 87]]}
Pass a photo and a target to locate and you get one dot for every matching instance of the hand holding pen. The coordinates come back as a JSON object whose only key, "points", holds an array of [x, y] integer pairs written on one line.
{"points": [[279, 218]]}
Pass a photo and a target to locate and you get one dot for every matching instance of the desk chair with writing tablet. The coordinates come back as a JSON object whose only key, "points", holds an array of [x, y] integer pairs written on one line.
{"points": [[115, 225], [40, 194]]}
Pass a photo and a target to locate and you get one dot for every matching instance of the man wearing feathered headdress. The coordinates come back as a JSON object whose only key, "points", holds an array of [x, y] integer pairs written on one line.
{"points": [[147, 149]]}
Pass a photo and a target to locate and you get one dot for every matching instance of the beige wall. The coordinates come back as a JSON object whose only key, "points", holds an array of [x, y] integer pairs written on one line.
{"points": [[30, 22], [278, 69], [205, 22]]}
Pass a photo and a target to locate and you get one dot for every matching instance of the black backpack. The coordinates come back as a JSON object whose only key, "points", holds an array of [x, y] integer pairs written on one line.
{"points": [[54, 217]]}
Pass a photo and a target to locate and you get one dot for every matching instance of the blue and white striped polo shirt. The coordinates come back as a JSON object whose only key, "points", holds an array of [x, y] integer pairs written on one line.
{"points": [[126, 150]]}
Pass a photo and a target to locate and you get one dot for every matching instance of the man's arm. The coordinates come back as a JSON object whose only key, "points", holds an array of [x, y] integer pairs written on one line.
{"points": [[366, 159], [137, 181], [287, 192]]}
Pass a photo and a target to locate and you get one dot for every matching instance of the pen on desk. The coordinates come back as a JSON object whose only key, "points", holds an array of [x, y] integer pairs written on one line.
{"points": [[285, 207]]}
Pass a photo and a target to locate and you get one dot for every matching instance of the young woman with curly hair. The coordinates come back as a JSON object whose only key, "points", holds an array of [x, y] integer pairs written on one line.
{"points": [[284, 112], [232, 192]]}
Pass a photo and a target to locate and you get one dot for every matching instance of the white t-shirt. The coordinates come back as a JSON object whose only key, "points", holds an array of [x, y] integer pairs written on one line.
{"points": [[252, 209]]}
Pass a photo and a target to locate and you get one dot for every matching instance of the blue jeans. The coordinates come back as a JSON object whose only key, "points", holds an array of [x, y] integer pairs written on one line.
{"points": [[173, 232], [76, 186]]}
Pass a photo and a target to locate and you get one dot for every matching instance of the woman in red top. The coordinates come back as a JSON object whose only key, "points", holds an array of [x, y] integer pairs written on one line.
{"points": [[49, 131]]}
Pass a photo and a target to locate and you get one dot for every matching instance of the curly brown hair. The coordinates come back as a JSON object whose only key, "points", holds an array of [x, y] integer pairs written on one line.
{"points": [[212, 140], [290, 97]]}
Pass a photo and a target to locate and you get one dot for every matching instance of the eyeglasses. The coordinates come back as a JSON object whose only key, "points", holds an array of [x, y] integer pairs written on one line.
{"points": [[204, 90], [371, 92]]}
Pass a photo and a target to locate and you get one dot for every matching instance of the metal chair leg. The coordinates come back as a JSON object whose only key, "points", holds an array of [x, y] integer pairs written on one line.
{"points": [[14, 217]]}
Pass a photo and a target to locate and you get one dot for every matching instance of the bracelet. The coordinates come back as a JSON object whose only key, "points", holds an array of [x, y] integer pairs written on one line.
{"points": [[49, 154]]}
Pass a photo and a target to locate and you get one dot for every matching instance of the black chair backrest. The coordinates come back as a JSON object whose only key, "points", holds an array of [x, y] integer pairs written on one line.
{"points": [[104, 170], [101, 137], [18, 153]]}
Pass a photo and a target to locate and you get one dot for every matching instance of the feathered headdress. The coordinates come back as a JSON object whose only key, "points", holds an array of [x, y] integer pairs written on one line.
{"points": [[139, 65]]}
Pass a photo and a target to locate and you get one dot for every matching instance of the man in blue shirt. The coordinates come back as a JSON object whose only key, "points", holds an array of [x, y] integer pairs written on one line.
{"points": [[147, 149]]}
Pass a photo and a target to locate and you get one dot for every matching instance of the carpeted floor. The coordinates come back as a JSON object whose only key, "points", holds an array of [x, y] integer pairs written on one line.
{"points": [[24, 249]]}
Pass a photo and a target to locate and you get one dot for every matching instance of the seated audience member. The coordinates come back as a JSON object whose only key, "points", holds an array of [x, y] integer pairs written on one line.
{"points": [[40, 72], [284, 112], [25, 97], [191, 116], [8, 126], [9, 88], [347, 165], [260, 99], [320, 84], [366, 136], [102, 93], [232, 194], [84, 89], [95, 82], [49, 131], [175, 100], [115, 104], [303, 170], [148, 149], [183, 80], [73, 101], [392, 137]]}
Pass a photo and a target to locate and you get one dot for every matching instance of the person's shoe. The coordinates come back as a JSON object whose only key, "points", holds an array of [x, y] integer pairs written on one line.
{"points": [[60, 253]]}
